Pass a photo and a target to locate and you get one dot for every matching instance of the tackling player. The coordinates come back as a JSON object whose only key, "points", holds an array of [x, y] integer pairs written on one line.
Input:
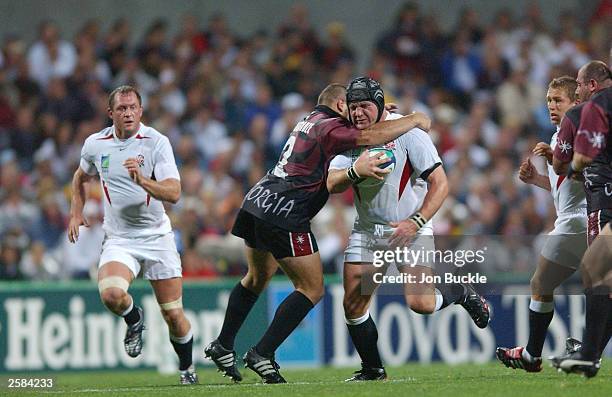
{"points": [[566, 243], [391, 213], [592, 156], [274, 222], [137, 172]]}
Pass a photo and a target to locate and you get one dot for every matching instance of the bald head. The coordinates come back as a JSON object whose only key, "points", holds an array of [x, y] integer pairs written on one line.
{"points": [[592, 77], [331, 94], [334, 97], [596, 70]]}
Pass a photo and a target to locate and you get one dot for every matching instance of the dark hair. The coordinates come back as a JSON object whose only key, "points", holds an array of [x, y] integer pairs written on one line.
{"points": [[124, 89], [331, 93], [567, 84]]}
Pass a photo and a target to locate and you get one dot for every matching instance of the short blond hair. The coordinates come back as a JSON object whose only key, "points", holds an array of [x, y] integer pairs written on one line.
{"points": [[567, 84]]}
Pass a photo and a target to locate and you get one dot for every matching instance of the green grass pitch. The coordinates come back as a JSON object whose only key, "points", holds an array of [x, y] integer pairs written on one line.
{"points": [[413, 379]]}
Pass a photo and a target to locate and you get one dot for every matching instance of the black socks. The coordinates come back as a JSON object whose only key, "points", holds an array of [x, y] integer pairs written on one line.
{"points": [[240, 303], [288, 316], [133, 316], [184, 351], [538, 327], [365, 338]]}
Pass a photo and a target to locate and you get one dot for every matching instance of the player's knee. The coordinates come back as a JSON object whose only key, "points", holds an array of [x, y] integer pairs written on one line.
{"points": [[173, 313], [174, 317], [313, 292], [256, 281], [113, 297], [318, 294], [113, 291], [538, 287], [422, 304], [354, 307]]}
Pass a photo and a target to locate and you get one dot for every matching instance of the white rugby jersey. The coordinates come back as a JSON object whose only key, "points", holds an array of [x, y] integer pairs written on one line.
{"points": [[568, 195], [402, 192], [129, 211]]}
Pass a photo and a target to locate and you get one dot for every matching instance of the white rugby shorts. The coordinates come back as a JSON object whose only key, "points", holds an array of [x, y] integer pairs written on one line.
{"points": [[362, 244], [567, 242], [156, 255]]}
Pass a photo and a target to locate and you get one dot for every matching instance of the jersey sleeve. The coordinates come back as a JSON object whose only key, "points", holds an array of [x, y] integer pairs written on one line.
{"points": [[340, 162], [88, 159], [339, 136], [164, 164], [593, 130], [564, 149], [422, 153]]}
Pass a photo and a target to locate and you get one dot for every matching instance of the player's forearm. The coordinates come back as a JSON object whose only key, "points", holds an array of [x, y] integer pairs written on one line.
{"points": [[167, 190], [338, 181], [386, 131], [79, 193], [580, 161], [437, 192], [541, 181]]}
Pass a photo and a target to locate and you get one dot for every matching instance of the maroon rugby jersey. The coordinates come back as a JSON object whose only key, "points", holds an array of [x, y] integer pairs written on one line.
{"points": [[564, 149], [295, 190], [593, 139]]}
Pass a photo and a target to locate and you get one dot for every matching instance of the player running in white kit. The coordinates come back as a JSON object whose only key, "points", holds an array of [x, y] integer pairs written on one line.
{"points": [[394, 211], [565, 244], [137, 173]]}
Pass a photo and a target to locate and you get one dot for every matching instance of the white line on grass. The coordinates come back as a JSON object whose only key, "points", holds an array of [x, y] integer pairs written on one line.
{"points": [[220, 386]]}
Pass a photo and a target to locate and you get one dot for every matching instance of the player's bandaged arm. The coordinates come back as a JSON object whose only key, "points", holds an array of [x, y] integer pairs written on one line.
{"points": [[437, 190], [388, 130], [166, 190]]}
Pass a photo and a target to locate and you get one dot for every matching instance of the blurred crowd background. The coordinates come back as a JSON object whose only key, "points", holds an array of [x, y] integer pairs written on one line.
{"points": [[227, 103]]}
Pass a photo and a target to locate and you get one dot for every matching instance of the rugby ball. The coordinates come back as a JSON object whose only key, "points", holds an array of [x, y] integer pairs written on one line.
{"points": [[389, 164]]}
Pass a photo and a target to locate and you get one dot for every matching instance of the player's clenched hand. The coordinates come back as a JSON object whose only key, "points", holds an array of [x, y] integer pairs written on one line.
{"points": [[527, 171], [131, 165], [423, 121], [403, 234], [544, 150], [73, 227], [367, 167]]}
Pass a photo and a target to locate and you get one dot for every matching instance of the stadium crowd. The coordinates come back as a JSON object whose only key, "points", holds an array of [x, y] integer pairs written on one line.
{"points": [[227, 104]]}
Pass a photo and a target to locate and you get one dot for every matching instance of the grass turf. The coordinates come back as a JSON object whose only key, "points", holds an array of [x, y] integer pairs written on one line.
{"points": [[419, 380]]}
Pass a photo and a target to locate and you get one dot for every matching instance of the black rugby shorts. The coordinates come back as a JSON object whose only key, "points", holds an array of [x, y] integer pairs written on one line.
{"points": [[265, 236]]}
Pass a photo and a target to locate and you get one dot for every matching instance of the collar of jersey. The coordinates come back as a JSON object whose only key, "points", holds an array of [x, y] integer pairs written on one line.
{"points": [[327, 110], [130, 139]]}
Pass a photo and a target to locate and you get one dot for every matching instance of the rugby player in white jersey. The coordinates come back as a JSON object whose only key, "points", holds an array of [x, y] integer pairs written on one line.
{"points": [[137, 173], [565, 244], [396, 212]]}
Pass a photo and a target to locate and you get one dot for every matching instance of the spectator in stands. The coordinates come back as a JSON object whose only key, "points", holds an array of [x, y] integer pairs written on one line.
{"points": [[9, 262], [50, 56], [38, 265]]}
